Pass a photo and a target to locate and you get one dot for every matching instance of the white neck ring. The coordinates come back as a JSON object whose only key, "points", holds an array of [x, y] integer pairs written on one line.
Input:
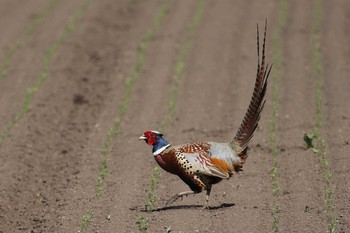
{"points": [[160, 150]]}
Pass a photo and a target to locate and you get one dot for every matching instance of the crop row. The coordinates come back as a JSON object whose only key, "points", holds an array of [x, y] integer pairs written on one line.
{"points": [[49, 54], [129, 83], [315, 140], [25, 35], [272, 130], [180, 66]]}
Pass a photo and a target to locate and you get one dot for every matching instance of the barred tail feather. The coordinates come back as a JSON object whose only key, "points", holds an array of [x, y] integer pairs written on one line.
{"points": [[256, 105]]}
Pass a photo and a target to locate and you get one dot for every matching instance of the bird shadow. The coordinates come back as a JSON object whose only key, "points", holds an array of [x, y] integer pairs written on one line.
{"points": [[188, 207]]}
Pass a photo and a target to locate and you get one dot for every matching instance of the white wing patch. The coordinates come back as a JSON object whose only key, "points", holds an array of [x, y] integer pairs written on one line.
{"points": [[200, 163]]}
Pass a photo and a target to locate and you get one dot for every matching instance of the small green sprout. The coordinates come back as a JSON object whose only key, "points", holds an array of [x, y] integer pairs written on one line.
{"points": [[309, 140]]}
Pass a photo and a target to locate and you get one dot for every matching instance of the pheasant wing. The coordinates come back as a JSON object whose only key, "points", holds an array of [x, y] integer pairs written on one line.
{"points": [[200, 163]]}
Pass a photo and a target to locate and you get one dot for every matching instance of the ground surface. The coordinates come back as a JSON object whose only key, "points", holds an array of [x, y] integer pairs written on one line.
{"points": [[51, 153]]}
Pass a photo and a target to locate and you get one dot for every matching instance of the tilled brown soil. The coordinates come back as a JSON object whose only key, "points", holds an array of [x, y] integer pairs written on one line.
{"points": [[50, 158]]}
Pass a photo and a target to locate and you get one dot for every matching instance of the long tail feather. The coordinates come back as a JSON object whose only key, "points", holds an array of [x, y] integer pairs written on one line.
{"points": [[256, 105]]}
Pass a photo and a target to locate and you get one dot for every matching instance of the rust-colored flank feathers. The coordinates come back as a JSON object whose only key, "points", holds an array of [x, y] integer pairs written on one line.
{"points": [[221, 164]]}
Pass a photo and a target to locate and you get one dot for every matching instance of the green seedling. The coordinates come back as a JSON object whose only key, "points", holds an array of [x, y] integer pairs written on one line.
{"points": [[151, 197], [272, 129], [142, 223], [309, 140], [314, 141], [307, 209], [85, 222]]}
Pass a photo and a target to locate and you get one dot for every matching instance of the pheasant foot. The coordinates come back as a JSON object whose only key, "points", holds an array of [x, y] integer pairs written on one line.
{"points": [[206, 205], [177, 196]]}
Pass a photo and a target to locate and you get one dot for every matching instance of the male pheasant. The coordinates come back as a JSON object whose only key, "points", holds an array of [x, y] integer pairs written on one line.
{"points": [[202, 164]]}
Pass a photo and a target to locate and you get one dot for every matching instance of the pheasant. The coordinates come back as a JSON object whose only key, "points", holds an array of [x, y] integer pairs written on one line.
{"points": [[203, 164]]}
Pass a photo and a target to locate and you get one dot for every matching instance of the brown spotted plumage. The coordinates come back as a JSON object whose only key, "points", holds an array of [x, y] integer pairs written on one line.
{"points": [[202, 164]]}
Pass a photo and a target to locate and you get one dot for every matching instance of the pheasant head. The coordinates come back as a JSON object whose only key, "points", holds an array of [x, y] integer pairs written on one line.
{"points": [[156, 140]]}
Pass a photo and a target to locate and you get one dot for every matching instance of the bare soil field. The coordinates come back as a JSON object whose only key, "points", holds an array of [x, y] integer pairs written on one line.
{"points": [[80, 81]]}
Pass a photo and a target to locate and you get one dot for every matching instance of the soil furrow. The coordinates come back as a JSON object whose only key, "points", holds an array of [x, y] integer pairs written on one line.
{"points": [[36, 20], [336, 53], [124, 38], [179, 68], [29, 62], [299, 175], [150, 98], [32, 175], [113, 131], [50, 161], [214, 94], [47, 149], [272, 133], [24, 14]]}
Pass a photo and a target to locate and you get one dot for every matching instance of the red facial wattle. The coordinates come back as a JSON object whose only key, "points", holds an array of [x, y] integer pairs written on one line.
{"points": [[151, 137]]}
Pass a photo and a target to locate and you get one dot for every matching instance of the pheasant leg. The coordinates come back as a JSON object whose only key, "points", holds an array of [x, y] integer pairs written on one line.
{"points": [[206, 206], [177, 196]]}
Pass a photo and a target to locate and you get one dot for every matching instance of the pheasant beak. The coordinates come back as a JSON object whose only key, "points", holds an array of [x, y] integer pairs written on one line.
{"points": [[142, 137]]}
